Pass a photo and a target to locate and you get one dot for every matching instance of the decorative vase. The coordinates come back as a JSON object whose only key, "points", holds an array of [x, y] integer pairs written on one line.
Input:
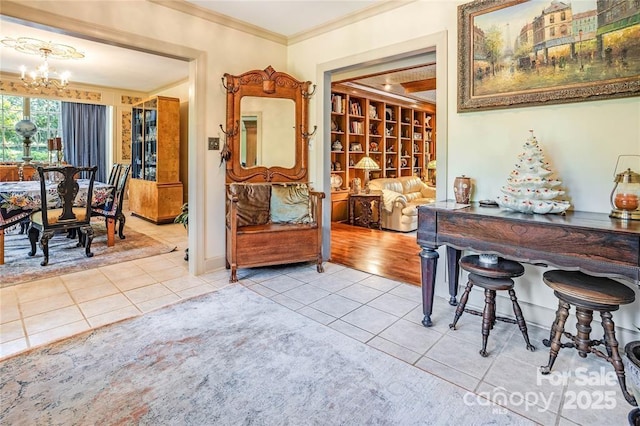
{"points": [[356, 184], [632, 367], [462, 189]]}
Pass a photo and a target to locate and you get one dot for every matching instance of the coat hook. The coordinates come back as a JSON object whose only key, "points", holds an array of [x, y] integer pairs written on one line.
{"points": [[231, 133], [308, 135], [307, 95], [231, 89]]}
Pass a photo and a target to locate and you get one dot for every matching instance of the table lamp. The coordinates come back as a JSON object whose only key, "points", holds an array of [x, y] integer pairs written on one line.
{"points": [[367, 164], [26, 129]]}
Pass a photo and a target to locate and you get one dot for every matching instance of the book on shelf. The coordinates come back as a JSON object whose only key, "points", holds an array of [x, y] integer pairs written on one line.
{"points": [[337, 103], [355, 108], [357, 127]]}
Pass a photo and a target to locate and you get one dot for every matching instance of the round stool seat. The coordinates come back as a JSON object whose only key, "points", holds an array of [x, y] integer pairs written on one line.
{"points": [[491, 283], [582, 287], [503, 269]]}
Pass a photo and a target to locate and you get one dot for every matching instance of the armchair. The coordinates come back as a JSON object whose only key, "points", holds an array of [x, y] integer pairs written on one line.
{"points": [[401, 196]]}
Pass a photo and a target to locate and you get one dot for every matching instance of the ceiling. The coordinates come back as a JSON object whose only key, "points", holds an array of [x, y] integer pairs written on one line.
{"points": [[111, 66], [290, 17], [103, 65]]}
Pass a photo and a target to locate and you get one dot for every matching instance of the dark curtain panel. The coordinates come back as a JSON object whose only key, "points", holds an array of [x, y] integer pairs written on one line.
{"points": [[84, 136]]}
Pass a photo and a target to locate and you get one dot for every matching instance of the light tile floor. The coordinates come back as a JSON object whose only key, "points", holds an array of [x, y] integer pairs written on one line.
{"points": [[379, 312]]}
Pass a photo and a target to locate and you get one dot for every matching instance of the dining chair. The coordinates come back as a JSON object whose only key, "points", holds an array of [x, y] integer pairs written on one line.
{"points": [[113, 208], [64, 212], [114, 175]]}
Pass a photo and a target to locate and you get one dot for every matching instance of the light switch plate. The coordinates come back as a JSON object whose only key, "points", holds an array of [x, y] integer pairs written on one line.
{"points": [[214, 144]]}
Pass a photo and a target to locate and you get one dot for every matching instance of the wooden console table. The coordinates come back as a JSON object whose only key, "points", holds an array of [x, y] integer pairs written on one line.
{"points": [[367, 203], [590, 242]]}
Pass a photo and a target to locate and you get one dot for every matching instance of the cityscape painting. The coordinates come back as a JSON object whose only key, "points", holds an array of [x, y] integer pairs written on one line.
{"points": [[535, 52]]}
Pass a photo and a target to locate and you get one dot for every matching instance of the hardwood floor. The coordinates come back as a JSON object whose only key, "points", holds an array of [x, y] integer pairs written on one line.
{"points": [[385, 253]]}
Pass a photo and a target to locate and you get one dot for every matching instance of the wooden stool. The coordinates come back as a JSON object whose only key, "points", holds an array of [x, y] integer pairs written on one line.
{"points": [[491, 277], [587, 294]]}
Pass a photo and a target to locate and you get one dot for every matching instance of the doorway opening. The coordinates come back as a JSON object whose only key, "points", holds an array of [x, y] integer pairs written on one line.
{"points": [[385, 253]]}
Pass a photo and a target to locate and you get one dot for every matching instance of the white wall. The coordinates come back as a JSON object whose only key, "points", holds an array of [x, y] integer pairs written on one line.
{"points": [[581, 140]]}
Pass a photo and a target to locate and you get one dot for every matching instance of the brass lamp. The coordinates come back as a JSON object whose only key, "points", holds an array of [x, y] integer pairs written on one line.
{"points": [[625, 196], [367, 164]]}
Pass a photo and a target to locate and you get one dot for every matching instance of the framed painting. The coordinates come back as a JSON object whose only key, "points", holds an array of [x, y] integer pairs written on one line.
{"points": [[516, 53]]}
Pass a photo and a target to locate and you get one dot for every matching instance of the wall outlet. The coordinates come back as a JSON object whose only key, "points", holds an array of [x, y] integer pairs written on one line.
{"points": [[214, 144]]}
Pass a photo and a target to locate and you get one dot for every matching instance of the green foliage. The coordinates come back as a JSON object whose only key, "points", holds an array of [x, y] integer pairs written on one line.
{"points": [[493, 45], [523, 50], [183, 217], [45, 113]]}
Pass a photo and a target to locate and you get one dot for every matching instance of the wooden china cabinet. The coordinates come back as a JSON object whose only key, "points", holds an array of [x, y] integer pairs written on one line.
{"points": [[155, 190]]}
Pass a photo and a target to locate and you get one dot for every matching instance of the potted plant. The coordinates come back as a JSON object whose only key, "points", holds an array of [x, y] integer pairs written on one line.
{"points": [[183, 218]]}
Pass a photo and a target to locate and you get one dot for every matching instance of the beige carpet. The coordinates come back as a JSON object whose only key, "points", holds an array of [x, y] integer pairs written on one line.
{"points": [[231, 357], [65, 257]]}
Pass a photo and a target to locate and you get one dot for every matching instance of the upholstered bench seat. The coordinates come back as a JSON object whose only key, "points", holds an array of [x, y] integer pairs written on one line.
{"points": [[273, 224]]}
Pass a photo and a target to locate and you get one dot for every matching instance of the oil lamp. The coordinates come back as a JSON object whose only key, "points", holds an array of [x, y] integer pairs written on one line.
{"points": [[625, 196]]}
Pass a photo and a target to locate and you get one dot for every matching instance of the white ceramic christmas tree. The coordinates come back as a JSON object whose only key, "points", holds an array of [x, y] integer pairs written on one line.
{"points": [[529, 187]]}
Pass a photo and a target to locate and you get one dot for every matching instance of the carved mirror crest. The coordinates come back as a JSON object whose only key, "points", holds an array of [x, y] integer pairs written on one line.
{"points": [[267, 127]]}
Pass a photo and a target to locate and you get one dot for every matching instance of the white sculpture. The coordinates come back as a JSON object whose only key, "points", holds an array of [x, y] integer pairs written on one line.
{"points": [[529, 187]]}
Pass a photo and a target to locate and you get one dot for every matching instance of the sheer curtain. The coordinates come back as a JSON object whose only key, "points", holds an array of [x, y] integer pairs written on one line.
{"points": [[84, 136]]}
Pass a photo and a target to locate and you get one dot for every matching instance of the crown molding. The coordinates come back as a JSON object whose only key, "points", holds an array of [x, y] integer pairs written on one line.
{"points": [[373, 10], [218, 18], [191, 9]]}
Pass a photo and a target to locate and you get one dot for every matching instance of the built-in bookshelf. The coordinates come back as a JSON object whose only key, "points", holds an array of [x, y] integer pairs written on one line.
{"points": [[400, 137]]}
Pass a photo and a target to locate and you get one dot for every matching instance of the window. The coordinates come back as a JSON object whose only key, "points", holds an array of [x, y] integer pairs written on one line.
{"points": [[44, 113]]}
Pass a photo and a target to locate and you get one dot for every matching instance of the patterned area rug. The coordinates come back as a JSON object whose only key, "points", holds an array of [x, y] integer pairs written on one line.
{"points": [[65, 257], [231, 357]]}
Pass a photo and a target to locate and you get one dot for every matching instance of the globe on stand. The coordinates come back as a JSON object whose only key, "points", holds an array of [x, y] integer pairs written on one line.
{"points": [[26, 129]]}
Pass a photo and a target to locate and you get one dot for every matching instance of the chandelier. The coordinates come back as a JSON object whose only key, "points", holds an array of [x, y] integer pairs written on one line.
{"points": [[41, 77]]}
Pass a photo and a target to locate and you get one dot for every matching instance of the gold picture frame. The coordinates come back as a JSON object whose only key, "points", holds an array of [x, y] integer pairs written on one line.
{"points": [[554, 53]]}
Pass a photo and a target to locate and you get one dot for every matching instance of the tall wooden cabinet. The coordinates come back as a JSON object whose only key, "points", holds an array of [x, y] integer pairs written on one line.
{"points": [[399, 136], [155, 190]]}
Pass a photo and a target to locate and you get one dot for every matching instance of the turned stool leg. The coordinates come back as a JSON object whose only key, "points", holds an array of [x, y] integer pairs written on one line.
{"points": [[583, 327], [612, 344], [520, 319], [561, 318], [552, 332], [461, 305], [493, 311], [487, 318]]}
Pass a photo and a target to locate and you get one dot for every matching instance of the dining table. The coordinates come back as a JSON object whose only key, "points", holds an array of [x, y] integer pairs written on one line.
{"points": [[18, 199]]}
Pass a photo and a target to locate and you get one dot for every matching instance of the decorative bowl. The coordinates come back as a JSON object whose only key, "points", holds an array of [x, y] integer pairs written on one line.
{"points": [[336, 181]]}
